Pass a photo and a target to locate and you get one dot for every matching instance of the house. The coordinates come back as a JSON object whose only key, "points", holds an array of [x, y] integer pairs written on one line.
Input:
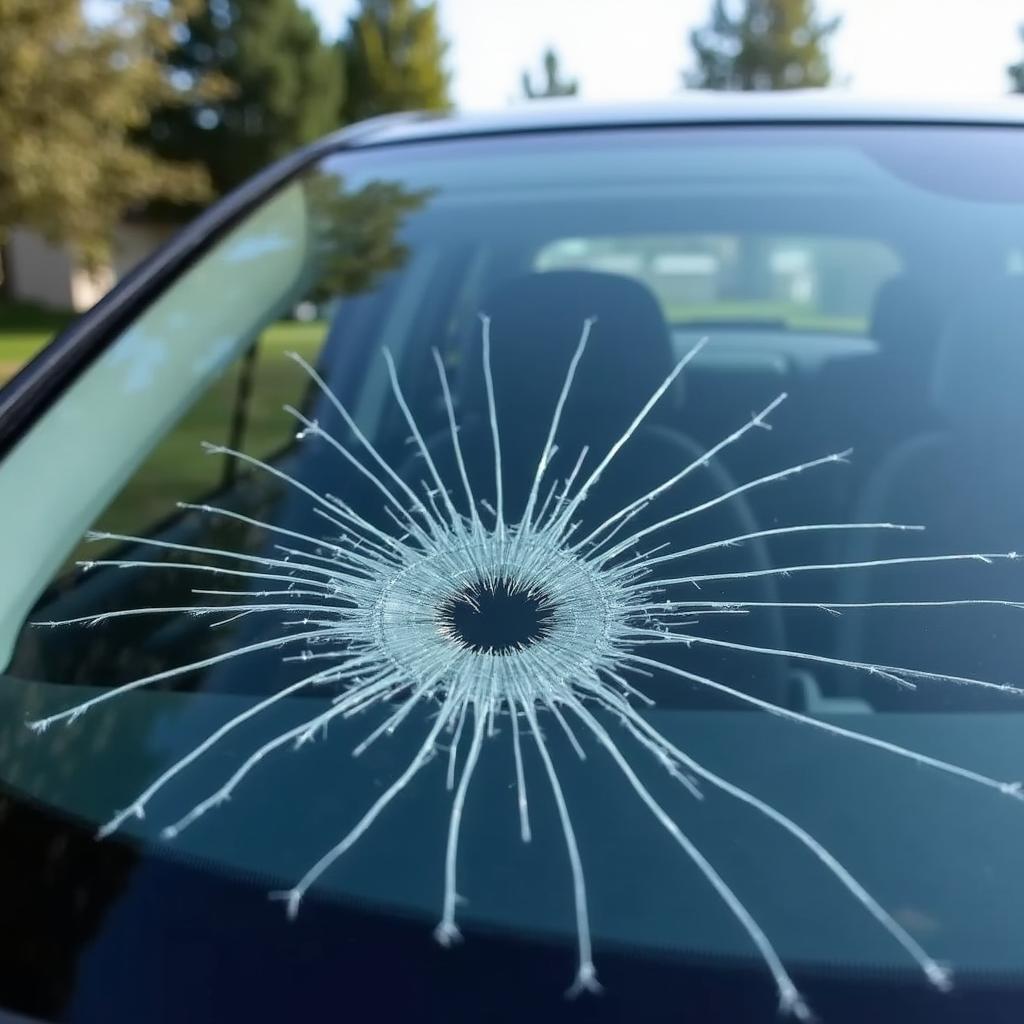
{"points": [[42, 273]]}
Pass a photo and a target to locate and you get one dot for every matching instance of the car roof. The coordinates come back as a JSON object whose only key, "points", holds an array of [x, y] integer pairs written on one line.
{"points": [[695, 107]]}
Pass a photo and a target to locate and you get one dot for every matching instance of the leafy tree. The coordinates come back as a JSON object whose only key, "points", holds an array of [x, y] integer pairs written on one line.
{"points": [[357, 232], [1016, 71], [72, 92], [284, 88], [762, 44], [554, 84], [393, 56]]}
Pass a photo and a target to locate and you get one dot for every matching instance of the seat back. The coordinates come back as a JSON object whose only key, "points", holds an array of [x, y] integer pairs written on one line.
{"points": [[536, 323], [966, 485]]}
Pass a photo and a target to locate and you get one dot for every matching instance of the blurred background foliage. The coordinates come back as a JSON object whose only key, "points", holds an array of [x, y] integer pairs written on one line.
{"points": [[132, 111], [763, 44], [150, 109], [73, 95], [171, 103], [284, 89], [554, 82], [393, 58]]}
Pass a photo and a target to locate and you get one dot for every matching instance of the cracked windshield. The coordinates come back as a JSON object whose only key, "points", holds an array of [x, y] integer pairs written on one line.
{"points": [[582, 559]]}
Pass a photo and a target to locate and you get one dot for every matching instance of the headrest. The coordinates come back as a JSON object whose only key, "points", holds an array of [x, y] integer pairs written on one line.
{"points": [[901, 303], [978, 381], [906, 323], [536, 322]]}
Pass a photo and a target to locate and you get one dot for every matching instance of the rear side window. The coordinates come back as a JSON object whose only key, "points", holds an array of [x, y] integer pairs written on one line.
{"points": [[821, 282]]}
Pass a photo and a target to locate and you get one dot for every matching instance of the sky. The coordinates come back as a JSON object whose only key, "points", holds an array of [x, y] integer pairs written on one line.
{"points": [[636, 49]]}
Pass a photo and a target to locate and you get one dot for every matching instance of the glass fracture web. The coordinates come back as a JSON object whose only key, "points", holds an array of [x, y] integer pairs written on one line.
{"points": [[525, 622]]}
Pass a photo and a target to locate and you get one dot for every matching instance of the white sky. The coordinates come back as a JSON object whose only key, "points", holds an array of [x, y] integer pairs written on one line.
{"points": [[636, 49]]}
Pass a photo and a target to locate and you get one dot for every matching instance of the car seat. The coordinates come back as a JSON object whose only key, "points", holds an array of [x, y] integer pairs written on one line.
{"points": [[536, 321], [963, 480]]}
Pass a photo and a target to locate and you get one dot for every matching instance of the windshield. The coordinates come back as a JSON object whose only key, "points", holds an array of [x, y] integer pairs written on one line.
{"points": [[600, 545]]}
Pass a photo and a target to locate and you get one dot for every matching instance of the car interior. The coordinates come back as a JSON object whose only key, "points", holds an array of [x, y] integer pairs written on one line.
{"points": [[901, 385]]}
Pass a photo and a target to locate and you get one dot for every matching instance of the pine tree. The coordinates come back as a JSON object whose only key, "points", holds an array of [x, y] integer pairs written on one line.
{"points": [[762, 44], [284, 88], [72, 94], [1016, 71], [393, 56], [554, 84]]}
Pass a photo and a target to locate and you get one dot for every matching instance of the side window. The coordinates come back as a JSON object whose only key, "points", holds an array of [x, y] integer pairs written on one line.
{"points": [[241, 409], [206, 361], [127, 430]]}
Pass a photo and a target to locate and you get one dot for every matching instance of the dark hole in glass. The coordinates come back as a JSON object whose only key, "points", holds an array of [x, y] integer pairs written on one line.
{"points": [[498, 619]]}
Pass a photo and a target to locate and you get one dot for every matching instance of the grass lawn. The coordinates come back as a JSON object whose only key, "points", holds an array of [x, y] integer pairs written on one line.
{"points": [[24, 330]]}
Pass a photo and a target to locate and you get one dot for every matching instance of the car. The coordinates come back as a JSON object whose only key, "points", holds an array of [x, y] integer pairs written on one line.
{"points": [[589, 533]]}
